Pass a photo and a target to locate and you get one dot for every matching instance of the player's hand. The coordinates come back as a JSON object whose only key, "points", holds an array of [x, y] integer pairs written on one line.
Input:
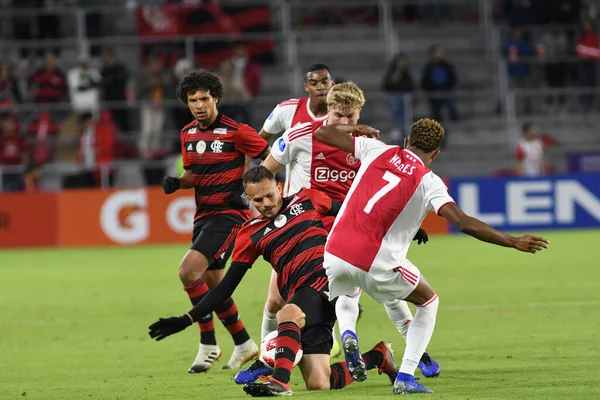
{"points": [[366, 130], [531, 244], [421, 236], [170, 184], [168, 326]]}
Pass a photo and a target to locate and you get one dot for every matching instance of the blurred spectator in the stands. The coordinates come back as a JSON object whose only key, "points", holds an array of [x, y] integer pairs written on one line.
{"points": [[517, 50], [48, 84], [248, 70], [588, 51], [553, 47], [530, 152], [12, 146], [439, 81], [42, 134], [84, 88], [97, 144], [9, 88], [153, 83], [235, 93], [181, 114], [114, 88], [12, 151], [399, 84]]}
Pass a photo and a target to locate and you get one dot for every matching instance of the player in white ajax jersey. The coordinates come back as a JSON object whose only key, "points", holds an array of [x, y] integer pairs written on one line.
{"points": [[366, 249]]}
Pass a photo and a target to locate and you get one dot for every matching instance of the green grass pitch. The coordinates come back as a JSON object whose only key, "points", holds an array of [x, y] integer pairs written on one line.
{"points": [[510, 325]]}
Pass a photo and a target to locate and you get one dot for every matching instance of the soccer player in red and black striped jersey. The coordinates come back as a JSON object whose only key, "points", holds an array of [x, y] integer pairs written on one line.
{"points": [[289, 235], [214, 148]]}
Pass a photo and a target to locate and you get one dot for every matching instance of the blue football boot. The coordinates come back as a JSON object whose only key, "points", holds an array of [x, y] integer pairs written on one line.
{"points": [[354, 361], [428, 366], [406, 384], [250, 374]]}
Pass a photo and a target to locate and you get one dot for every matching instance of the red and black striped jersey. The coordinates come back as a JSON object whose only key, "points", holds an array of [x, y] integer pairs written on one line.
{"points": [[215, 156], [293, 242]]}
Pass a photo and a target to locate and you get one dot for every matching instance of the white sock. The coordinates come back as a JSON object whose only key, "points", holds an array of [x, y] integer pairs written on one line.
{"points": [[399, 314], [269, 324], [419, 334], [346, 310]]}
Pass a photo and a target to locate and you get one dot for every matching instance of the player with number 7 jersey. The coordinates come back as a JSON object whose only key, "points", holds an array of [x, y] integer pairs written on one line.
{"points": [[367, 247]]}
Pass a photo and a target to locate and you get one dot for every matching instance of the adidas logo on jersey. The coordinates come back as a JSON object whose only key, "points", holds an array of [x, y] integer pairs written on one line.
{"points": [[190, 147], [320, 156], [267, 230]]}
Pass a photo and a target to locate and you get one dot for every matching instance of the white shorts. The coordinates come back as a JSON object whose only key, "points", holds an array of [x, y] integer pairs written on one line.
{"points": [[346, 279]]}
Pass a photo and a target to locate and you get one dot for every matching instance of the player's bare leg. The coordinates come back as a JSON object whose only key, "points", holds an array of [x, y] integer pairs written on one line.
{"points": [[315, 371], [419, 334], [401, 316], [245, 348]]}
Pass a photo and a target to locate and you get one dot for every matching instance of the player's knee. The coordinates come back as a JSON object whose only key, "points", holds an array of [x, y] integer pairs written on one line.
{"points": [[274, 304], [191, 268], [318, 383], [212, 278], [291, 313]]}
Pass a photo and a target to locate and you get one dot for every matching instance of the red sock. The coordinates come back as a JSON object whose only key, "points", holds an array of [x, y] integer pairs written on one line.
{"points": [[287, 345], [196, 292], [228, 314], [340, 376]]}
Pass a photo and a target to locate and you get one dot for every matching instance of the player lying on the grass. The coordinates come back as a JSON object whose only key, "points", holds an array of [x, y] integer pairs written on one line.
{"points": [[213, 147], [313, 164], [367, 247], [290, 236]]}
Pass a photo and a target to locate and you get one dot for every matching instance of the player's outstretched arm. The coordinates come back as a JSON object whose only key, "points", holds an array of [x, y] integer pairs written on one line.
{"points": [[168, 326], [340, 136], [482, 231]]}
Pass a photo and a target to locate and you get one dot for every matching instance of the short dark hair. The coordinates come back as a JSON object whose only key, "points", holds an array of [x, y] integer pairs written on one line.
{"points": [[426, 135], [256, 175], [199, 80], [526, 127], [316, 67]]}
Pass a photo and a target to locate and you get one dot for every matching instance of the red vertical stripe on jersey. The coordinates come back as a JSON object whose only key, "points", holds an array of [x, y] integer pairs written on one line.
{"points": [[358, 234]]}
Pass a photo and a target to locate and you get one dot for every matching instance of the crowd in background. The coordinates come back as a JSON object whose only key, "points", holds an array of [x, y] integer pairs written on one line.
{"points": [[99, 125]]}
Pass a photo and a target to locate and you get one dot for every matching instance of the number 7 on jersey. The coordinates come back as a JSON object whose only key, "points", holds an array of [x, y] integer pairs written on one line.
{"points": [[392, 182]]}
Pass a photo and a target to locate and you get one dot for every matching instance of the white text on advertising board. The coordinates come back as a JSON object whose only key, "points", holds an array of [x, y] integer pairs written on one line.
{"points": [[541, 202]]}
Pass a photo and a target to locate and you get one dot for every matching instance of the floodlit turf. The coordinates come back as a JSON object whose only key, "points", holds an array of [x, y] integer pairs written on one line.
{"points": [[511, 325]]}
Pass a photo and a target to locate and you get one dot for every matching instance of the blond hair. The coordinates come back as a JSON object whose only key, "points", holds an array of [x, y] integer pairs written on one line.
{"points": [[345, 95]]}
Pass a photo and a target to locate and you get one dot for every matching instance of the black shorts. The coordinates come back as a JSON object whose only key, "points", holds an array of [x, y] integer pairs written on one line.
{"points": [[316, 336], [214, 236]]}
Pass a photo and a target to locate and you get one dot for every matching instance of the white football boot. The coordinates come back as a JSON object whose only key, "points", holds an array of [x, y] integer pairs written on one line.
{"points": [[207, 355], [242, 353]]}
